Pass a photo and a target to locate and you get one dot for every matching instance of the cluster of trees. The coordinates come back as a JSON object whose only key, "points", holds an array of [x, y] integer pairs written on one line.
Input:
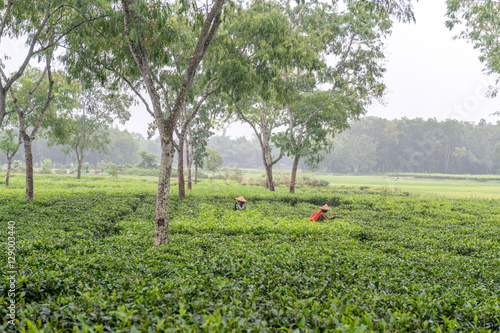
{"points": [[416, 145], [306, 66], [120, 147], [377, 145]]}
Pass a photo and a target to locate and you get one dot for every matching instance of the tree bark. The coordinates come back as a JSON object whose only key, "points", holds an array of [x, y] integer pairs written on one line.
{"points": [[79, 161], [293, 177], [163, 192], [9, 166], [29, 168], [195, 174], [189, 183], [189, 161], [269, 177], [180, 169], [79, 173], [3, 96]]}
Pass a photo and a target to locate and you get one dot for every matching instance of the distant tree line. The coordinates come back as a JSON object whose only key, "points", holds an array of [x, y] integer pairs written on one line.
{"points": [[372, 145], [377, 145], [122, 147], [416, 145]]}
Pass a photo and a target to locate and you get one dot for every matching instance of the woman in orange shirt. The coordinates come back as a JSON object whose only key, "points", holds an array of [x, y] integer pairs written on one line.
{"points": [[320, 215]]}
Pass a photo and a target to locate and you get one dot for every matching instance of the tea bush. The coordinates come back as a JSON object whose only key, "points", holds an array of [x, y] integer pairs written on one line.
{"points": [[389, 262]]}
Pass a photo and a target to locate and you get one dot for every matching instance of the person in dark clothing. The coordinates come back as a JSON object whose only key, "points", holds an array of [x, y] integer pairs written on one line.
{"points": [[240, 203]]}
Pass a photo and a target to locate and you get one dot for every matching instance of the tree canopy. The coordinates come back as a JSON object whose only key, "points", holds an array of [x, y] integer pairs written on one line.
{"points": [[478, 22]]}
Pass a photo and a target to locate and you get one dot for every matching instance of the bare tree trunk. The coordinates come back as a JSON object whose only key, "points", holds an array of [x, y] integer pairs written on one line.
{"points": [[29, 167], [190, 185], [79, 173], [180, 169], [293, 177], [447, 162], [269, 176], [9, 166], [163, 193], [3, 96], [189, 161], [195, 174], [79, 161]]}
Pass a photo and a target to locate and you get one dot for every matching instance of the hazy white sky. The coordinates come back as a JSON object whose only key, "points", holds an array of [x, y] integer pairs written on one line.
{"points": [[429, 75]]}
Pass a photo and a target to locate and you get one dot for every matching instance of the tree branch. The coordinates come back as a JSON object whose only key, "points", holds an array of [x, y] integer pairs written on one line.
{"points": [[47, 102], [142, 61], [212, 23], [200, 102], [249, 123], [5, 16], [20, 72]]}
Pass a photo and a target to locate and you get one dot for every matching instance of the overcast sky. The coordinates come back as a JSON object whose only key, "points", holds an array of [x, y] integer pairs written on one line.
{"points": [[429, 75]]}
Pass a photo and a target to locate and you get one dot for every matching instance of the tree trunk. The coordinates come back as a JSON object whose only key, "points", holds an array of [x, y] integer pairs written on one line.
{"points": [[180, 169], [268, 162], [29, 168], [189, 163], [9, 166], [3, 96], [293, 176], [79, 173], [269, 177], [195, 174], [163, 192], [190, 185]]}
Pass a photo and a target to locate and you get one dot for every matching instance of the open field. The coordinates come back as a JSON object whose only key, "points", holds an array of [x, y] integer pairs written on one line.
{"points": [[455, 186], [390, 262]]}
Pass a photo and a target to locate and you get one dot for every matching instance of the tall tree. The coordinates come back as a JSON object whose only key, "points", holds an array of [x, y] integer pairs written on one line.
{"points": [[265, 44], [182, 131], [31, 104], [322, 99], [134, 47], [91, 119], [358, 152], [264, 119], [210, 116], [42, 25]]}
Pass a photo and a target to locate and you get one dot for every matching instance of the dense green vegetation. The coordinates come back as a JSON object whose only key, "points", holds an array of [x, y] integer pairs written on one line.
{"points": [[86, 260], [400, 146]]}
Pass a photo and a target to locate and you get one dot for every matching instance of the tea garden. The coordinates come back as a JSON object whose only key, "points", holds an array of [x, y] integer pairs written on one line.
{"points": [[390, 261]]}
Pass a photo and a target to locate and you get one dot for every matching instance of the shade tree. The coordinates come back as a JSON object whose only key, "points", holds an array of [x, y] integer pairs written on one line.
{"points": [[264, 43], [42, 25], [31, 97], [321, 100], [133, 47], [95, 111]]}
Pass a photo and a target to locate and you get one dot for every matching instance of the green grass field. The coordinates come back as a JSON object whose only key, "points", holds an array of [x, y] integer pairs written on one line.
{"points": [[85, 260], [455, 186]]}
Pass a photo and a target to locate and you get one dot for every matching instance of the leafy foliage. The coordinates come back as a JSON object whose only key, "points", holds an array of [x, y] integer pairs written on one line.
{"points": [[149, 160], [479, 23], [213, 161], [388, 262]]}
